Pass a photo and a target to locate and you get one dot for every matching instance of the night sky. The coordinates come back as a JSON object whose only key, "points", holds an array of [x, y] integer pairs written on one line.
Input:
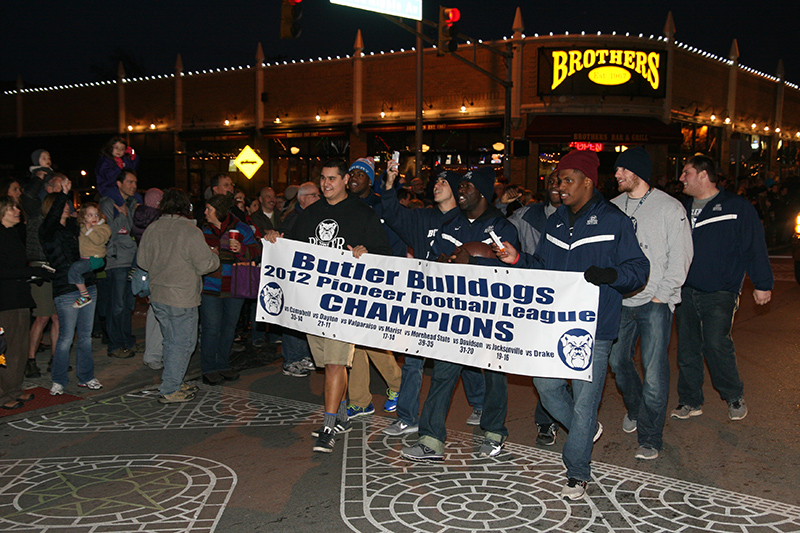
{"points": [[58, 42]]}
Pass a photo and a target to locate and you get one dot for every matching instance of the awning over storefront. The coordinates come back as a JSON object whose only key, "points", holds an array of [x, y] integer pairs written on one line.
{"points": [[604, 129]]}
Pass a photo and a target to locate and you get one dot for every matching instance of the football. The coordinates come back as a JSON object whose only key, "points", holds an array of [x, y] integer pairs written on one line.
{"points": [[478, 249]]}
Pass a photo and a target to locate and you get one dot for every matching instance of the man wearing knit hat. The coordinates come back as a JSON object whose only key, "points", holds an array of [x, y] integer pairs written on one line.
{"points": [[417, 228], [477, 219], [362, 174], [664, 236], [586, 234]]}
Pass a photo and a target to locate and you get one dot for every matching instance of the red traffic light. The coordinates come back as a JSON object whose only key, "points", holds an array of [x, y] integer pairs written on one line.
{"points": [[451, 15]]}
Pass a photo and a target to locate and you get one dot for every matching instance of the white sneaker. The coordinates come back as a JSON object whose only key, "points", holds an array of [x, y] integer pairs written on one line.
{"points": [[57, 389], [92, 384], [575, 489], [307, 363]]}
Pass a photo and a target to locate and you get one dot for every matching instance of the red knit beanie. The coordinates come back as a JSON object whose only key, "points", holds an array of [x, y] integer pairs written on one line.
{"points": [[583, 160]]}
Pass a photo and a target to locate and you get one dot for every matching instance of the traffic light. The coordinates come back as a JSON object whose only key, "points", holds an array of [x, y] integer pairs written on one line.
{"points": [[291, 13], [448, 16]]}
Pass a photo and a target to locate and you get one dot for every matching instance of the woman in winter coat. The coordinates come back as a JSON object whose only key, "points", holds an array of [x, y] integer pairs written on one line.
{"points": [[219, 310], [58, 236]]}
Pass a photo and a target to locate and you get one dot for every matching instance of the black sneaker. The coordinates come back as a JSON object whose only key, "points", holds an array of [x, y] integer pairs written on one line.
{"points": [[339, 429], [32, 370], [547, 434], [325, 441]]}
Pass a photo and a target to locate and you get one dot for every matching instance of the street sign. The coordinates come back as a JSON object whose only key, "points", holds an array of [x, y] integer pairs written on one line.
{"points": [[248, 162], [410, 9]]}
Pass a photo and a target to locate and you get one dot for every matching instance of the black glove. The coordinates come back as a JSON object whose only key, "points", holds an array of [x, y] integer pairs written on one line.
{"points": [[600, 276]]}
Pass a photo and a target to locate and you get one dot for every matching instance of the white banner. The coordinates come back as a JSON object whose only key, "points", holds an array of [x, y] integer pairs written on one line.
{"points": [[518, 321]]}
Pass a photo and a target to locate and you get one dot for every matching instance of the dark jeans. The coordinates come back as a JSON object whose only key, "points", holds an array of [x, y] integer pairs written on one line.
{"points": [[646, 402], [294, 347], [411, 382], [704, 323], [218, 318], [77, 270], [432, 430], [120, 306], [577, 412]]}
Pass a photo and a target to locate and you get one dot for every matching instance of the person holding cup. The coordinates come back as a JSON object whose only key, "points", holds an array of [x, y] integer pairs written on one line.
{"points": [[234, 241]]}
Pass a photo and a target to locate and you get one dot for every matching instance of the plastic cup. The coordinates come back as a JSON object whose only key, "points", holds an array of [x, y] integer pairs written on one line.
{"points": [[234, 235]]}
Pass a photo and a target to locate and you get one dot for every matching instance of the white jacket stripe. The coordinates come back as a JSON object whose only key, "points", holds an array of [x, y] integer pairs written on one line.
{"points": [[592, 239], [560, 244], [452, 239], [732, 216]]}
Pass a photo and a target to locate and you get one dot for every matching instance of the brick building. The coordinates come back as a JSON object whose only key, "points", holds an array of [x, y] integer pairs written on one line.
{"points": [[605, 92]]}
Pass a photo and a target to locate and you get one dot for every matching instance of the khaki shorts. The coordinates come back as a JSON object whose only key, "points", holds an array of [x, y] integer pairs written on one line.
{"points": [[43, 296], [330, 351]]}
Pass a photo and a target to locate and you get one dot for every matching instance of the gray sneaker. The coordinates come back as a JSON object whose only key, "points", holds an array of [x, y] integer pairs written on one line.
{"points": [[683, 412], [645, 453], [628, 425], [737, 409], [475, 418], [398, 427], [490, 448], [308, 363], [420, 452], [296, 370]]}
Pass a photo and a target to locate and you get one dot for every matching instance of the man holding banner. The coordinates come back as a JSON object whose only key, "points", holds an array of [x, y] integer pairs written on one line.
{"points": [[478, 219], [343, 222], [417, 228], [586, 234]]}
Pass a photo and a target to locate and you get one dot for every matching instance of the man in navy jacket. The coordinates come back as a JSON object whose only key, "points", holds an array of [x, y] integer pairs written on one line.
{"points": [[586, 234], [728, 240]]}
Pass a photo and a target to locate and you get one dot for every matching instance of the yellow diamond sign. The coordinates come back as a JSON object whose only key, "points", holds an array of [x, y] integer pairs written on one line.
{"points": [[248, 162]]}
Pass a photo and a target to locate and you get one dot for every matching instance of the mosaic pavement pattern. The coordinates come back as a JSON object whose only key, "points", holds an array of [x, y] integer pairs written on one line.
{"points": [[380, 492], [519, 491], [123, 493], [214, 407]]}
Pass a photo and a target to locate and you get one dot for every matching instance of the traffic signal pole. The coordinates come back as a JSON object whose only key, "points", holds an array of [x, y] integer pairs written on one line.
{"points": [[418, 127], [506, 83]]}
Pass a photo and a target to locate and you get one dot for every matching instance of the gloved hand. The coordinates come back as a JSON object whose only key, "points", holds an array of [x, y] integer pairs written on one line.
{"points": [[600, 276]]}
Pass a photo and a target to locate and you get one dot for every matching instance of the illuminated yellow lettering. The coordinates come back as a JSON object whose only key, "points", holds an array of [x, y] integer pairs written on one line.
{"points": [[629, 56], [653, 60], [616, 57], [641, 64], [574, 62], [601, 56], [588, 58], [559, 68]]}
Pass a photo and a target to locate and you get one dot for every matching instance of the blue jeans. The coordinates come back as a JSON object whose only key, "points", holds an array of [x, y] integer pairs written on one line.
{"points": [[704, 322], [218, 317], [411, 383], [646, 402], [120, 306], [77, 270], [294, 347], [432, 430], [179, 328], [577, 412], [258, 330], [72, 321]]}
